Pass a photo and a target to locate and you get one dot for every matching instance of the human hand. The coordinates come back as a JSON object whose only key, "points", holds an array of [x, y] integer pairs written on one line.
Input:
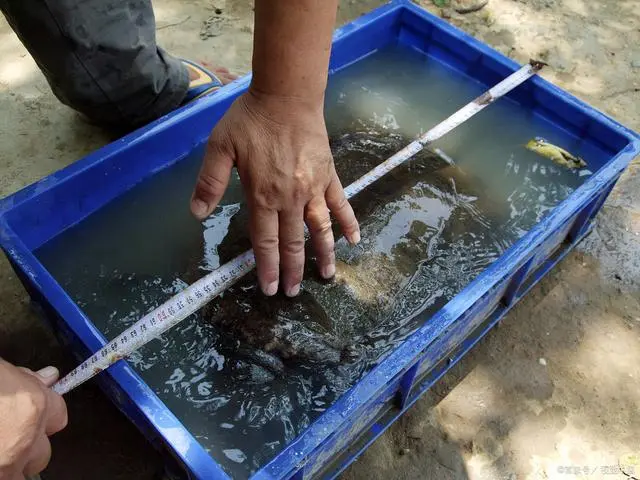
{"points": [[29, 413], [281, 150]]}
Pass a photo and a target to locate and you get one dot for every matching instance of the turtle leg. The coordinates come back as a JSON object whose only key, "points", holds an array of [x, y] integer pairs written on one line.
{"points": [[263, 359]]}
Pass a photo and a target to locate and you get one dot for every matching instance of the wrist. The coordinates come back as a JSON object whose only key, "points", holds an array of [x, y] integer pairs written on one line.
{"points": [[286, 103]]}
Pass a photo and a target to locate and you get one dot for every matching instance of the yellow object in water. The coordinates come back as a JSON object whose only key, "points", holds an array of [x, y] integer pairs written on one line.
{"points": [[557, 154]]}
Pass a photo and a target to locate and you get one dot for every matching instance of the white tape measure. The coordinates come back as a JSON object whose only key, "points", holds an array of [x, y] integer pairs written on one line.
{"points": [[207, 288]]}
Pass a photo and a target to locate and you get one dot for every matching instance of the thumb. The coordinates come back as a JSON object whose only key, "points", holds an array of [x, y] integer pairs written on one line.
{"points": [[212, 182], [48, 375]]}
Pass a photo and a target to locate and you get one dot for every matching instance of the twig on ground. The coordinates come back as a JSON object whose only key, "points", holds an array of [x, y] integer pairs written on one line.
{"points": [[173, 24]]}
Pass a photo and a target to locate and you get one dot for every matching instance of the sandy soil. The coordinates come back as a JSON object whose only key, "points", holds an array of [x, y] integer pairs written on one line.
{"points": [[553, 389]]}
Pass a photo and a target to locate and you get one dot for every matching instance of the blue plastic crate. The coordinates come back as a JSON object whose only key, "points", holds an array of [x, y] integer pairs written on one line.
{"points": [[36, 214]]}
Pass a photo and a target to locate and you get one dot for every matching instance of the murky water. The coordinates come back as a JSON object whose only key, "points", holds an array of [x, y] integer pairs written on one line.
{"points": [[428, 229]]}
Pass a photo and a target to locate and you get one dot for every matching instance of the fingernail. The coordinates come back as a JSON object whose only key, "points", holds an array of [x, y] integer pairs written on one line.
{"points": [[271, 289], [48, 372], [328, 271], [355, 237], [293, 291], [199, 208]]}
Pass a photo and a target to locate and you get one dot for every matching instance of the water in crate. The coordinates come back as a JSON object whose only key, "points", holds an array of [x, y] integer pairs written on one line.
{"points": [[246, 375]]}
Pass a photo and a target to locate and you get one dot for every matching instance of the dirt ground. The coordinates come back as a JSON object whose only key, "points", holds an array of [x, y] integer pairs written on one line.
{"points": [[552, 390]]}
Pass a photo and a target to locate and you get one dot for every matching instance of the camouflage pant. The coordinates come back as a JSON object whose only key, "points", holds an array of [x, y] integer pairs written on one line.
{"points": [[100, 57]]}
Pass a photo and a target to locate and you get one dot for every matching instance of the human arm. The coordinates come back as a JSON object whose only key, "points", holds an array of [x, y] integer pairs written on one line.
{"points": [[276, 136], [29, 413]]}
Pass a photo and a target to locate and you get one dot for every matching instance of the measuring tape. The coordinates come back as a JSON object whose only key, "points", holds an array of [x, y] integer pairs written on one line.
{"points": [[207, 288]]}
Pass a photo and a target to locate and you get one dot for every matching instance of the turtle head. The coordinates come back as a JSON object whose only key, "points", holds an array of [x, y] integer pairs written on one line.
{"points": [[535, 142], [579, 163]]}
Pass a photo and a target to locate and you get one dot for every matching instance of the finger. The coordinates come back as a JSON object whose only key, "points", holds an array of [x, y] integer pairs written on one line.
{"points": [[212, 180], [39, 457], [48, 375], [57, 417], [319, 223], [341, 209], [291, 231], [264, 239]]}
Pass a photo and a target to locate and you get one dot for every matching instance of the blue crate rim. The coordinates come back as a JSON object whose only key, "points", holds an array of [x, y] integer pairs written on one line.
{"points": [[292, 457]]}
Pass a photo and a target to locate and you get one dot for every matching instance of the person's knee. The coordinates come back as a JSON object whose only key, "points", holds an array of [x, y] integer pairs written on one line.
{"points": [[101, 58], [116, 91]]}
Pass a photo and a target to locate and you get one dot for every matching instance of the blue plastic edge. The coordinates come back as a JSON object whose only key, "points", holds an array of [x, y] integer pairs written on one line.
{"points": [[290, 459]]}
